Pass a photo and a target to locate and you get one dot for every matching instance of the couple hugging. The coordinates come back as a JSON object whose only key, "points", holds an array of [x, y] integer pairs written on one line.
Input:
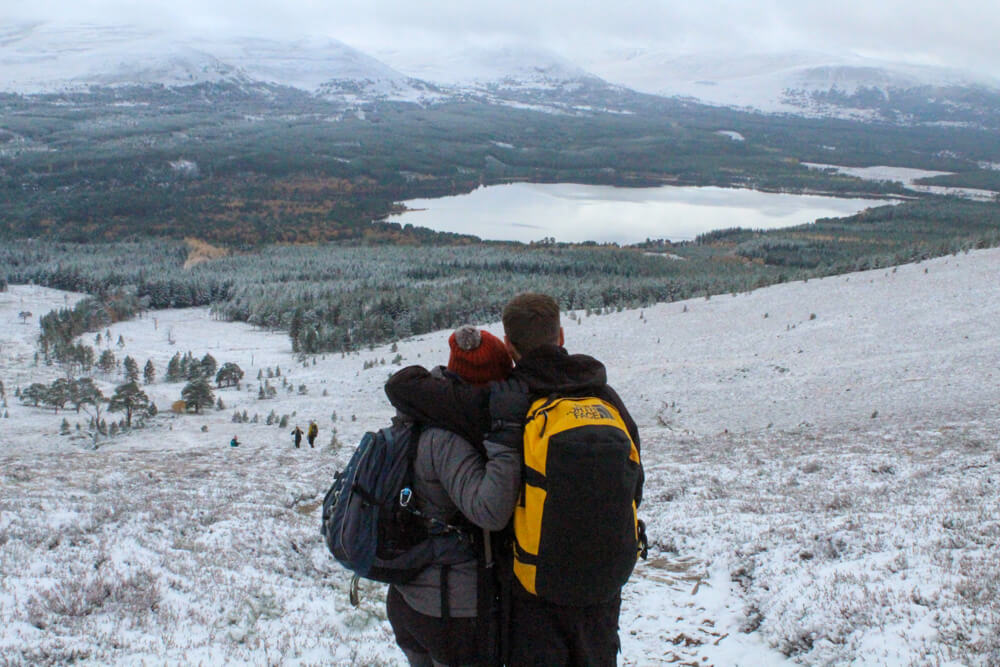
{"points": [[528, 446]]}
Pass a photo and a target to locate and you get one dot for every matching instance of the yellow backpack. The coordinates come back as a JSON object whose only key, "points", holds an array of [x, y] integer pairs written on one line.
{"points": [[576, 532]]}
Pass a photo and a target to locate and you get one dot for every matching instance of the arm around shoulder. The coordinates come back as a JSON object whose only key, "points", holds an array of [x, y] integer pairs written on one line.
{"points": [[484, 489]]}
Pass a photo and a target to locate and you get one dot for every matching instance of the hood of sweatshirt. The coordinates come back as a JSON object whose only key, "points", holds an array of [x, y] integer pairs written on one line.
{"points": [[551, 369]]}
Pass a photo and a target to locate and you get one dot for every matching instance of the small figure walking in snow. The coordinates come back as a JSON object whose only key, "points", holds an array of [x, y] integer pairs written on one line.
{"points": [[234, 442], [312, 433], [297, 435]]}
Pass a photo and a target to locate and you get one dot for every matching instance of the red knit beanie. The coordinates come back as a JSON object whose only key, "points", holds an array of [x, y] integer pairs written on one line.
{"points": [[477, 356]]}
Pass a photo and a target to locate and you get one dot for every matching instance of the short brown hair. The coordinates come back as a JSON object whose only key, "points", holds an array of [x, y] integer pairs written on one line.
{"points": [[530, 321]]}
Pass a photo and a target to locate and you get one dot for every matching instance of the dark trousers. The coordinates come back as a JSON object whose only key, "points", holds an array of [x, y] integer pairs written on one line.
{"points": [[544, 634], [428, 640]]}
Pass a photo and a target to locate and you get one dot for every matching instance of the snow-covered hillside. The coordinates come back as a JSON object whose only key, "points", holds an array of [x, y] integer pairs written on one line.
{"points": [[773, 82], [43, 58], [481, 67], [52, 57], [821, 462]]}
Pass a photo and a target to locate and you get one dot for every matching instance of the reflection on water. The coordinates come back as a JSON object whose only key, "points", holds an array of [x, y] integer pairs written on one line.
{"points": [[574, 213]]}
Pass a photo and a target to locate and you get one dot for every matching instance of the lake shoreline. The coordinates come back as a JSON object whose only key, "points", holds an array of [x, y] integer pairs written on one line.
{"points": [[529, 211]]}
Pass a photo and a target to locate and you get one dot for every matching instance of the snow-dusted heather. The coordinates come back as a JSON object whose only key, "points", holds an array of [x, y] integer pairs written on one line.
{"points": [[908, 177], [821, 486]]}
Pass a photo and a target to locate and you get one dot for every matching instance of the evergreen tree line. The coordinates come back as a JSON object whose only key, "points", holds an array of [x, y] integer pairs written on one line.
{"points": [[83, 394], [60, 327], [343, 297]]}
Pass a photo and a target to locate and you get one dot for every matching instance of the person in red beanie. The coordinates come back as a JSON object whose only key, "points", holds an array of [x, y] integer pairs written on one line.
{"points": [[477, 356], [458, 478]]}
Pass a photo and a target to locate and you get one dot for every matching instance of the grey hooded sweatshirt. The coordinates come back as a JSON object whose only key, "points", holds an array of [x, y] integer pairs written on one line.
{"points": [[451, 475]]}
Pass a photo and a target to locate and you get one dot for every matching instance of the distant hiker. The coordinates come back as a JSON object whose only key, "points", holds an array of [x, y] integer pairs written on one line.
{"points": [[563, 577], [297, 436], [234, 442], [312, 433], [438, 617]]}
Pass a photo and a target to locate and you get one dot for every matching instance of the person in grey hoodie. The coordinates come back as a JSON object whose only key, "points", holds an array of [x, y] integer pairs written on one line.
{"points": [[460, 478]]}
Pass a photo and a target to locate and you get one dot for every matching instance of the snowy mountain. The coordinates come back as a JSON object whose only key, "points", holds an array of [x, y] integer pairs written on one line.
{"points": [[792, 82], [42, 58], [484, 67], [53, 58], [48, 58]]}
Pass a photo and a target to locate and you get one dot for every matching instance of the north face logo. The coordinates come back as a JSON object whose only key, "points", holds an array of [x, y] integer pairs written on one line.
{"points": [[591, 412]]}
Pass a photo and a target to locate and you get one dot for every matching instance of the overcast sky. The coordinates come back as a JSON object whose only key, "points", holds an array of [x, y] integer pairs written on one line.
{"points": [[961, 33]]}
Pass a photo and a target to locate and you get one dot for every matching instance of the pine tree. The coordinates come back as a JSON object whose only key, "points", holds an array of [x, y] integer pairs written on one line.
{"points": [[197, 394], [208, 365], [129, 398], [149, 372], [84, 392], [35, 393], [230, 374], [192, 367], [174, 370], [107, 362], [131, 370], [59, 394]]}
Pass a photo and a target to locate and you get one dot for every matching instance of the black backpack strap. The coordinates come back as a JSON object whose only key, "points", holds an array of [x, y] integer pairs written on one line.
{"points": [[488, 601], [445, 603]]}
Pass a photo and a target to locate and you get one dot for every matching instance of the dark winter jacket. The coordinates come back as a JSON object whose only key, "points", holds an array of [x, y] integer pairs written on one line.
{"points": [[463, 408], [440, 398]]}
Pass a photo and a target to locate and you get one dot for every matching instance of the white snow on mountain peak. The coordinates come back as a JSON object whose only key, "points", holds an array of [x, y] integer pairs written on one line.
{"points": [[484, 64], [304, 63], [50, 57], [38, 58], [764, 80]]}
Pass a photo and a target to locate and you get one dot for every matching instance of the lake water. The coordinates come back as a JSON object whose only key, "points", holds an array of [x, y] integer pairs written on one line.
{"points": [[575, 213]]}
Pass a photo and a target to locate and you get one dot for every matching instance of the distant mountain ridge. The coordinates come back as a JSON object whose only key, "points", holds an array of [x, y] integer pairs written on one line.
{"points": [[42, 59], [796, 82], [51, 59]]}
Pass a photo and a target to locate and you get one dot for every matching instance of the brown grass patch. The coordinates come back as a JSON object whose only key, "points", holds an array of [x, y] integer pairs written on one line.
{"points": [[201, 251], [308, 508]]}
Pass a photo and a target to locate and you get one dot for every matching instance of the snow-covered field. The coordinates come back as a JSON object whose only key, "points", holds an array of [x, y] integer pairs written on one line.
{"points": [[822, 461], [908, 177]]}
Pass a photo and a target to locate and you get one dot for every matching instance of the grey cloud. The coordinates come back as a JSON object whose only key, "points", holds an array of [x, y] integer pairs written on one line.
{"points": [[960, 33]]}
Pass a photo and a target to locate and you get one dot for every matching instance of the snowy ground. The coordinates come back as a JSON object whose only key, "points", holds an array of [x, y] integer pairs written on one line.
{"points": [[909, 178], [822, 485]]}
